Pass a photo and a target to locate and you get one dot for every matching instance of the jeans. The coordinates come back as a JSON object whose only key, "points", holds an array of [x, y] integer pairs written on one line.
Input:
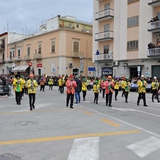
{"points": [[77, 96]]}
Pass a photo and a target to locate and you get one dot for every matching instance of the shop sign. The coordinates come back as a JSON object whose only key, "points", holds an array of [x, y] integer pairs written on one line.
{"points": [[39, 65], [107, 71]]}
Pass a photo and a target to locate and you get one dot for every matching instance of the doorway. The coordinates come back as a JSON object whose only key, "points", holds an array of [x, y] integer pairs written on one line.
{"points": [[39, 72], [134, 72], [75, 71]]}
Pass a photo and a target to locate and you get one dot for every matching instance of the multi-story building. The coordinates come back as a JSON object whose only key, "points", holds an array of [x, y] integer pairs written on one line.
{"points": [[61, 46], [122, 31]]}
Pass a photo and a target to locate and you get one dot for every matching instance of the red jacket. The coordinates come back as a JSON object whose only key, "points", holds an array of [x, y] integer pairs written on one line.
{"points": [[109, 87], [71, 85]]}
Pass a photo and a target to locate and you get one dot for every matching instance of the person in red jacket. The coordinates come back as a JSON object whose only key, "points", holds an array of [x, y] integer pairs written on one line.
{"points": [[70, 85]]}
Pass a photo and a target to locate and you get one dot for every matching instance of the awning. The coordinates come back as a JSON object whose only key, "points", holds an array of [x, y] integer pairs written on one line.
{"points": [[23, 68], [20, 68]]}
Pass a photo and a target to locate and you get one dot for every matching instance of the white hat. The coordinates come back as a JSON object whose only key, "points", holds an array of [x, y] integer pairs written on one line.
{"points": [[155, 77], [142, 75]]}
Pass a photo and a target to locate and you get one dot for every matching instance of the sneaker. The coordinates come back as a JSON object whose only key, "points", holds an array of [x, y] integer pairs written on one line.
{"points": [[146, 105], [71, 107]]}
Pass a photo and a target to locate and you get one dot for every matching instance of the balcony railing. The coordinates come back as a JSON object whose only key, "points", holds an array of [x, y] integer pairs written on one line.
{"points": [[103, 36], [27, 57], [154, 26], [105, 14], [37, 56], [9, 59], [77, 54], [102, 56], [154, 3], [153, 52], [17, 58]]}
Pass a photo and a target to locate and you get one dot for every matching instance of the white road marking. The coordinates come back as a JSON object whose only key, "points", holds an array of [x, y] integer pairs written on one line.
{"points": [[145, 147], [85, 149]]}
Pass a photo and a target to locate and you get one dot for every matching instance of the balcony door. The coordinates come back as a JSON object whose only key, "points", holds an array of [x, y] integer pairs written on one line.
{"points": [[106, 30], [106, 49], [106, 9]]}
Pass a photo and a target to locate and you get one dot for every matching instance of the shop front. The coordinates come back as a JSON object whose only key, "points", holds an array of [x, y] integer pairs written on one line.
{"points": [[107, 71]]}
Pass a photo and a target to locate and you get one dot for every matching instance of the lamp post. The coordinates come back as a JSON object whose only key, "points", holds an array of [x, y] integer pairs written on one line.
{"points": [[81, 64]]}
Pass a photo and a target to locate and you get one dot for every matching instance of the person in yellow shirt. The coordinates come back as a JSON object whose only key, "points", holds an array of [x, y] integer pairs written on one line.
{"points": [[127, 85], [61, 84], [122, 85], [96, 88], [142, 84], [84, 88], [155, 86], [17, 85], [50, 83], [116, 87], [32, 85]]}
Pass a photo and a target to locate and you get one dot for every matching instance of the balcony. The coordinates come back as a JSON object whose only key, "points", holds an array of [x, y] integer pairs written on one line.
{"points": [[154, 26], [9, 60], [18, 58], [104, 15], [76, 54], [103, 57], [104, 36], [27, 57], [154, 52], [37, 56], [154, 3], [2, 60]]}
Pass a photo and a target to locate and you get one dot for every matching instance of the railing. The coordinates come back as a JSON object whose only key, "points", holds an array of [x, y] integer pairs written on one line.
{"points": [[27, 57], [104, 35], [2, 60], [77, 54], [103, 57], [153, 52], [37, 56], [154, 25], [18, 58], [105, 13], [154, 2], [9, 59]]}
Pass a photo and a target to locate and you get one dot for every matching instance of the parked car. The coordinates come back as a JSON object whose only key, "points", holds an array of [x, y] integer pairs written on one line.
{"points": [[4, 87]]}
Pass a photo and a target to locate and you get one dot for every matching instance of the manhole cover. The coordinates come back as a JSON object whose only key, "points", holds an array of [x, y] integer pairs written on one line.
{"points": [[9, 157], [26, 123]]}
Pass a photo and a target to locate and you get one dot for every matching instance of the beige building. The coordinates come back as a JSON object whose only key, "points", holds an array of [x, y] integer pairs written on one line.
{"points": [[61, 46], [121, 32]]}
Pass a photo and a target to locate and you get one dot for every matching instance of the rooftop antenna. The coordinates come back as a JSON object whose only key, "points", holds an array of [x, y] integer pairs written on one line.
{"points": [[7, 26]]}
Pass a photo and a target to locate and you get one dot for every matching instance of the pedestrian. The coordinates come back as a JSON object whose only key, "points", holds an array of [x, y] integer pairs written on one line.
{"points": [[84, 88], [103, 87], [31, 85], [142, 84], [61, 83], [17, 85], [50, 83], [78, 89], [122, 85], [155, 86], [116, 87], [42, 84], [127, 85], [109, 90], [96, 89], [71, 85]]}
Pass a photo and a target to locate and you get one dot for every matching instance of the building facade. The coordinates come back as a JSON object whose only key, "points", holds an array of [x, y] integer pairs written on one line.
{"points": [[122, 31], [61, 46]]}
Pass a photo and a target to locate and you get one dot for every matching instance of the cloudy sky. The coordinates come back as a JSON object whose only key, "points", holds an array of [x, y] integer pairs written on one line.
{"points": [[27, 15]]}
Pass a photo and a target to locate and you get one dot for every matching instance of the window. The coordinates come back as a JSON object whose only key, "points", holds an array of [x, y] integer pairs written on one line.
{"points": [[158, 15], [75, 46], [53, 50], [10, 54], [28, 50], [13, 53], [106, 49], [133, 21], [39, 48], [19, 52], [106, 27], [77, 25], [132, 1], [106, 6], [132, 45]]}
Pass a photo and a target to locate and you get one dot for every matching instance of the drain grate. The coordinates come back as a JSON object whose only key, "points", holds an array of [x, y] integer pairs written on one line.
{"points": [[9, 157], [26, 123]]}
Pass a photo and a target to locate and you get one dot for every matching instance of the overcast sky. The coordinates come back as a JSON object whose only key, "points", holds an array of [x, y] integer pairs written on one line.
{"points": [[27, 15]]}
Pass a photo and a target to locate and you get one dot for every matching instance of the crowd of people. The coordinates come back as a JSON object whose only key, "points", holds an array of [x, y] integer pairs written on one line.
{"points": [[106, 85]]}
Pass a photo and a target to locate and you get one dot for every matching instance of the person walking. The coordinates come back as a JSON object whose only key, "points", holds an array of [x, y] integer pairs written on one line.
{"points": [[127, 85], [71, 85], [32, 85], [96, 88], [103, 87], [142, 84], [116, 87], [42, 83], [78, 89], [109, 90], [50, 83], [84, 88], [155, 86], [61, 84], [17, 85], [122, 85]]}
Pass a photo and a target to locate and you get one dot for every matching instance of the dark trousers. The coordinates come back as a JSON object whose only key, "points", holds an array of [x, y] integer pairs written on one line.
{"points": [[103, 93], [50, 87], [126, 96], [143, 96], [155, 93], [32, 98], [109, 98], [22, 91], [116, 93], [41, 88], [25, 90], [61, 89], [18, 97], [123, 90], [84, 95], [96, 95], [70, 97]]}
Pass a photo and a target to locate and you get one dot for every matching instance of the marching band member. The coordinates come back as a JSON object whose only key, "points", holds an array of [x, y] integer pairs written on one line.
{"points": [[122, 84], [109, 90], [31, 85], [96, 88], [127, 85], [116, 87], [102, 84], [142, 84], [61, 84], [155, 86], [71, 85], [50, 83], [84, 88]]}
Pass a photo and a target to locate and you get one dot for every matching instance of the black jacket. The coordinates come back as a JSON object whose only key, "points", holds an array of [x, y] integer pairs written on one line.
{"points": [[79, 85]]}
